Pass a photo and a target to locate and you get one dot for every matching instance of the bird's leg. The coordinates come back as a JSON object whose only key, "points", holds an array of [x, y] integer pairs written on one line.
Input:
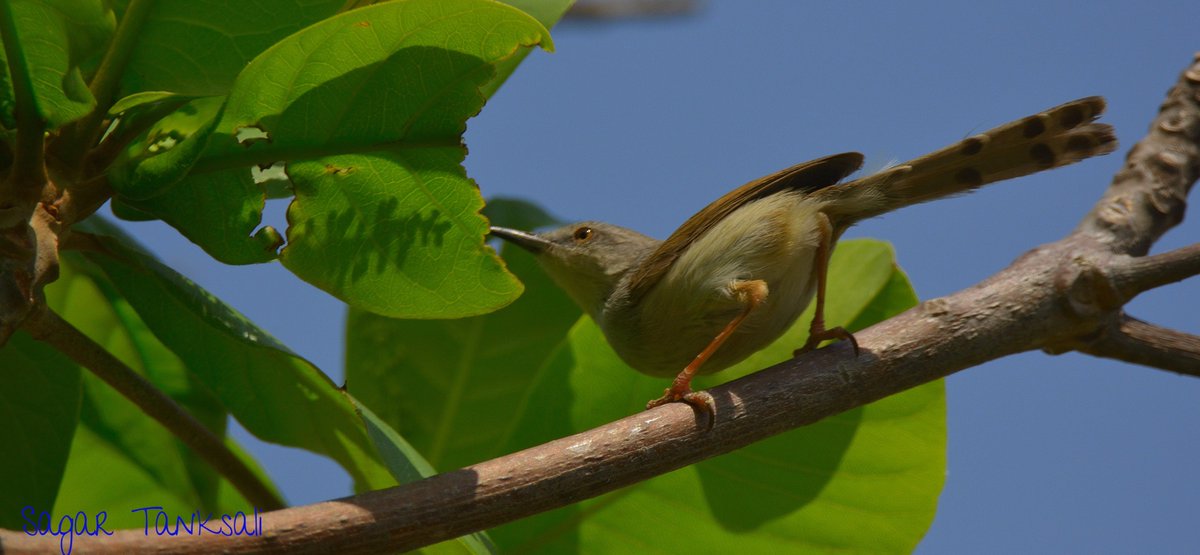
{"points": [[750, 294], [816, 331]]}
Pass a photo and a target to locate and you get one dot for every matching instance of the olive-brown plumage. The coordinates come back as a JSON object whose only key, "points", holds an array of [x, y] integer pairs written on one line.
{"points": [[735, 276]]}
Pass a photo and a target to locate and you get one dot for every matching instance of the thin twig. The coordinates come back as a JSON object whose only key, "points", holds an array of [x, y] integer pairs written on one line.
{"points": [[1144, 273], [1134, 341]]}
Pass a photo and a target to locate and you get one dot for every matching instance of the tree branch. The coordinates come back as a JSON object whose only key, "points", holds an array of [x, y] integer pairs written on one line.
{"points": [[1134, 341], [1144, 273], [47, 326], [1147, 196], [1056, 297]]}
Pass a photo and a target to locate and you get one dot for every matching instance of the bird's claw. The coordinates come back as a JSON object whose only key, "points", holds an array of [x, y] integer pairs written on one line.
{"points": [[816, 337], [699, 400]]}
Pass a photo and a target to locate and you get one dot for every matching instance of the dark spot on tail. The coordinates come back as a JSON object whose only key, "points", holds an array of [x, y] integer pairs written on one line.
{"points": [[969, 177], [1042, 155], [1034, 126], [972, 146], [1080, 143], [1071, 117]]}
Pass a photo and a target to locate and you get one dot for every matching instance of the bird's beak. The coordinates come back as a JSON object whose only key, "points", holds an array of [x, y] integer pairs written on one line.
{"points": [[523, 239]]}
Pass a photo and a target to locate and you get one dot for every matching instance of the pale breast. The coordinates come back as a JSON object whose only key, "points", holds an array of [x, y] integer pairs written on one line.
{"points": [[773, 239]]}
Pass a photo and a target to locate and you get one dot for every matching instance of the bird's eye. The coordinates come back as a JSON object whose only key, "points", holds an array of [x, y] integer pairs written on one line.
{"points": [[582, 234]]}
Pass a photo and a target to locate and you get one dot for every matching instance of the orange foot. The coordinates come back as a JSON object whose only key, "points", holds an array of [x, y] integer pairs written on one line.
{"points": [[700, 400], [815, 337]]}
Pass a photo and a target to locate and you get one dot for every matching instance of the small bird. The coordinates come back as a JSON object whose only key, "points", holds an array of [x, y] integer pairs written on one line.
{"points": [[735, 276]]}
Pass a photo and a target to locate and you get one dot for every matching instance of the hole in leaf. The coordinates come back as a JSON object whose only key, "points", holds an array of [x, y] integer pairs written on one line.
{"points": [[278, 170], [164, 142], [272, 179], [331, 169], [274, 215], [250, 134]]}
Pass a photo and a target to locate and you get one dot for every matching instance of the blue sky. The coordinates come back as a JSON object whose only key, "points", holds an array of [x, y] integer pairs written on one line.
{"points": [[642, 123]]}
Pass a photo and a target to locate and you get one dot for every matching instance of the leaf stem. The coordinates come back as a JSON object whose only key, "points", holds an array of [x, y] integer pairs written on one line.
{"points": [[104, 84]]}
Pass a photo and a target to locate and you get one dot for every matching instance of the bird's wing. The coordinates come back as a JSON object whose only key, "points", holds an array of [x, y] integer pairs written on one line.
{"points": [[806, 177]]}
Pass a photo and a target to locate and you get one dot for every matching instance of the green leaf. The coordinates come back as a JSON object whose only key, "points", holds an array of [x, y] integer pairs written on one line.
{"points": [[375, 370], [101, 477], [407, 465], [456, 388], [863, 481], [404, 462], [141, 99], [355, 234], [275, 394], [114, 432], [123, 210], [166, 64], [159, 188], [162, 156], [233, 195], [547, 12], [51, 39], [367, 109], [39, 407], [197, 48]]}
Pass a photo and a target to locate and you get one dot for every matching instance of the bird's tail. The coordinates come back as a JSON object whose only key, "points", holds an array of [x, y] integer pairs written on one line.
{"points": [[1057, 137]]}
